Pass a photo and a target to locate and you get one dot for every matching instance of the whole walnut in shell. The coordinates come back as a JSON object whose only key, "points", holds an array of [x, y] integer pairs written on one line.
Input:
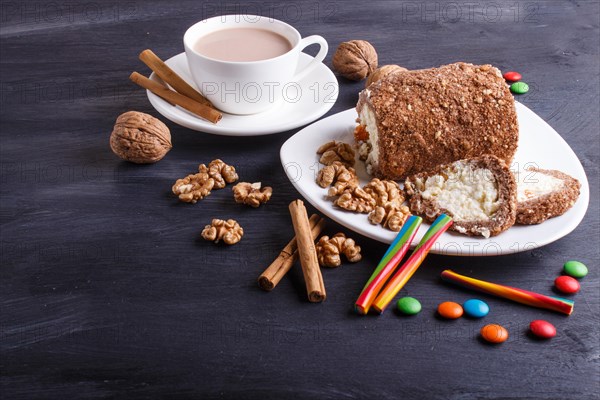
{"points": [[382, 72], [140, 138], [355, 60]]}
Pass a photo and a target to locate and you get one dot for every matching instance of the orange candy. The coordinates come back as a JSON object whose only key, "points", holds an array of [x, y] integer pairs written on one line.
{"points": [[450, 310], [494, 333]]}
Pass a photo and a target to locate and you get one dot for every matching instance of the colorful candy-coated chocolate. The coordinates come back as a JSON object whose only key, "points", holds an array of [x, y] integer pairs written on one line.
{"points": [[542, 329], [476, 308], [575, 269], [567, 284], [512, 76], [450, 310], [519, 87], [409, 306], [494, 333]]}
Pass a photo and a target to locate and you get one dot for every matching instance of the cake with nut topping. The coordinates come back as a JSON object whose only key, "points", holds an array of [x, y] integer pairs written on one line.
{"points": [[413, 121]]}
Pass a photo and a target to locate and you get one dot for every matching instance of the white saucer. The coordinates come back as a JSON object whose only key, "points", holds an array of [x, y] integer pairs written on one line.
{"points": [[315, 96]]}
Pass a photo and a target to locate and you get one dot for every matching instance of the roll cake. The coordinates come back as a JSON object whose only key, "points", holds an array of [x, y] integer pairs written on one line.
{"points": [[480, 194], [544, 194], [413, 121]]}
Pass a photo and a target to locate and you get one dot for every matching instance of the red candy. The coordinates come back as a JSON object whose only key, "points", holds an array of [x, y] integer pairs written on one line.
{"points": [[567, 284], [512, 76], [542, 329]]}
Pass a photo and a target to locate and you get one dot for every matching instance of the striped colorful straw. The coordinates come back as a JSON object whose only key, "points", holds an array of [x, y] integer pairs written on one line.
{"points": [[532, 299], [388, 263], [406, 271]]}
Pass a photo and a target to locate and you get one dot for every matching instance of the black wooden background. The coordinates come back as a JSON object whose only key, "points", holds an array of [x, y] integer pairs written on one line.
{"points": [[108, 292]]}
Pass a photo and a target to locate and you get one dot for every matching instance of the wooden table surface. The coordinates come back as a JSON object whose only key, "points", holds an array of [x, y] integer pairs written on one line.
{"points": [[107, 291]]}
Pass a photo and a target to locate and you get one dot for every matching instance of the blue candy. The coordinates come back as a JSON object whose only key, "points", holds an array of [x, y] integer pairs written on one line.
{"points": [[476, 308]]}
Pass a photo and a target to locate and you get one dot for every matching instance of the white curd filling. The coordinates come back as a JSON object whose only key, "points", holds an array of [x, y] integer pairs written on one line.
{"points": [[532, 184], [469, 194], [367, 119]]}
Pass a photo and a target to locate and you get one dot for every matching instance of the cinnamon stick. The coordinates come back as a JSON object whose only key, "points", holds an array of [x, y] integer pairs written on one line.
{"points": [[307, 252], [206, 112], [170, 77], [287, 257]]}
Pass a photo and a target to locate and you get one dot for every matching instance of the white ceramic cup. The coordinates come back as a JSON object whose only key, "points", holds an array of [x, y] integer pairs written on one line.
{"points": [[253, 86]]}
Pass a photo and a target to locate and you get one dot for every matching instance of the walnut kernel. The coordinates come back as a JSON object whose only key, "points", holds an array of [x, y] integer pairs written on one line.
{"points": [[355, 59], [222, 173], [194, 187], [385, 191], [396, 218], [389, 212], [140, 138], [389, 216], [356, 199], [251, 193], [338, 175], [330, 249], [229, 231], [336, 151], [377, 215]]}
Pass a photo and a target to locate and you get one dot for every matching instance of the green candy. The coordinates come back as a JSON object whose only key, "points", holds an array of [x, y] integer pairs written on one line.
{"points": [[409, 306], [519, 87], [575, 269]]}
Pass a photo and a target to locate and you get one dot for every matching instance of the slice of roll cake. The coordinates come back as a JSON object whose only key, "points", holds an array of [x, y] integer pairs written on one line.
{"points": [[412, 121], [543, 194], [480, 194]]}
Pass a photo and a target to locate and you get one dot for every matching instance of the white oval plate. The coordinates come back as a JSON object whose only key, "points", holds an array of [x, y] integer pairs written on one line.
{"points": [[307, 101], [539, 145]]}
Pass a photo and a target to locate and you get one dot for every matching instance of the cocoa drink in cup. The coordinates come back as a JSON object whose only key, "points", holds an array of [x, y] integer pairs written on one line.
{"points": [[244, 63]]}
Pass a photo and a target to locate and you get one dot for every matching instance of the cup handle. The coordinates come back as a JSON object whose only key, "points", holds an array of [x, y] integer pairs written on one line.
{"points": [[305, 42]]}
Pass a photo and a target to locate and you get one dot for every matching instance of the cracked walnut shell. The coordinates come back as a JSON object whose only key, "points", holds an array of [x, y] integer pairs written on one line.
{"points": [[330, 249], [140, 138], [355, 60], [229, 231], [251, 193]]}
